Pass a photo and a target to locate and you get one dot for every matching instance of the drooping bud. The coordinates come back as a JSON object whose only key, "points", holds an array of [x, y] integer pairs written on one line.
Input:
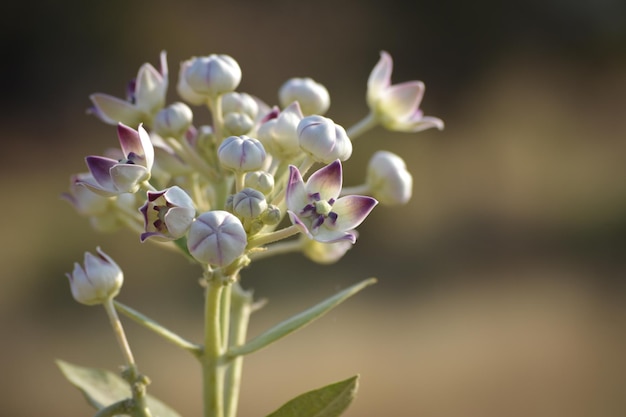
{"points": [[241, 153], [388, 179], [216, 238], [167, 214], [212, 75], [100, 279], [312, 96], [324, 140], [173, 120], [249, 203]]}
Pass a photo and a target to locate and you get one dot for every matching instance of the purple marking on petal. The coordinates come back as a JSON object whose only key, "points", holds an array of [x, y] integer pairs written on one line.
{"points": [[351, 210], [326, 181], [100, 168], [129, 140], [295, 194], [333, 217]]}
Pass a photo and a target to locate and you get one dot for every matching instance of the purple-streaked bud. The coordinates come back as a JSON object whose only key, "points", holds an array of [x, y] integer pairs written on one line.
{"points": [[167, 214], [174, 120], [312, 96], [212, 75], [324, 140], [97, 281], [249, 203], [241, 154], [216, 238], [388, 179]]}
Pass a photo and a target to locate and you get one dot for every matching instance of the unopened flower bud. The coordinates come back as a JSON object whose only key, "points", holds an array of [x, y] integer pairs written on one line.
{"points": [[173, 120], [249, 203], [217, 238], [324, 140], [388, 179], [235, 102], [280, 134], [236, 123], [100, 279], [241, 153], [212, 75], [271, 216], [312, 96], [167, 214], [260, 180]]}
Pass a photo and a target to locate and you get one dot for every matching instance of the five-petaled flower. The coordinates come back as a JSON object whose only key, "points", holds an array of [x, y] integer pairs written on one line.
{"points": [[317, 211], [111, 177], [397, 106], [145, 97], [167, 214]]}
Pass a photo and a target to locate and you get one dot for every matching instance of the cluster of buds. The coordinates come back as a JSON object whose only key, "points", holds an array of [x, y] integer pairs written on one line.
{"points": [[233, 191]]}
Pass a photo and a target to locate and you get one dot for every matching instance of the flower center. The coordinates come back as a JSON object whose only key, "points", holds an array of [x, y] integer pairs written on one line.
{"points": [[319, 211]]}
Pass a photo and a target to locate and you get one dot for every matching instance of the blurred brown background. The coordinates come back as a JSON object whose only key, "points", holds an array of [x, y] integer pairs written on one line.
{"points": [[501, 284]]}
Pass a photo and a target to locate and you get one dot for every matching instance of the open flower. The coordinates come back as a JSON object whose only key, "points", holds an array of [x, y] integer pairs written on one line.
{"points": [[315, 208], [112, 177], [145, 97], [167, 214], [397, 106]]}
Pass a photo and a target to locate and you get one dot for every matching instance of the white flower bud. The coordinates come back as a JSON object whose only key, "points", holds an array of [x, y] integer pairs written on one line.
{"points": [[280, 134], [241, 153], [234, 102], [173, 120], [388, 179], [217, 238], [271, 216], [249, 203], [312, 96], [324, 140], [212, 75], [260, 180], [100, 279], [236, 123]]}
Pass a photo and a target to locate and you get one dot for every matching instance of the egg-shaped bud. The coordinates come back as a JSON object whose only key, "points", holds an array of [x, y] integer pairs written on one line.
{"points": [[236, 123], [260, 180], [173, 121], [280, 134], [249, 203], [216, 238], [241, 153], [312, 96], [212, 75], [184, 90], [167, 214], [388, 179], [235, 102], [98, 280], [323, 139], [271, 216]]}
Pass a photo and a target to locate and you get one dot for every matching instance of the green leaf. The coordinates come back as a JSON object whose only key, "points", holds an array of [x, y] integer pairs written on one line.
{"points": [[329, 401], [298, 321], [102, 388]]}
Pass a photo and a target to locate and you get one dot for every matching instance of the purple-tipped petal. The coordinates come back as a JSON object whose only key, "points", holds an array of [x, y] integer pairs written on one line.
{"points": [[351, 210], [330, 236], [327, 181], [403, 100], [100, 168], [380, 77], [295, 220], [129, 140], [113, 110], [295, 194]]}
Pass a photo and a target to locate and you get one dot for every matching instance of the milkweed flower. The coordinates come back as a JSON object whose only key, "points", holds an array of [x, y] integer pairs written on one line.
{"points": [[98, 280], [316, 209], [112, 177], [145, 97], [167, 214], [397, 106]]}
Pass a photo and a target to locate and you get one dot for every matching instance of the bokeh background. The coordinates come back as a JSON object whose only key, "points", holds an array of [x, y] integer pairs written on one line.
{"points": [[501, 284]]}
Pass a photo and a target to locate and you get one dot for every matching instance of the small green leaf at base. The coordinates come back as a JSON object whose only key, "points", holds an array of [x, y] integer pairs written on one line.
{"points": [[102, 388], [329, 401]]}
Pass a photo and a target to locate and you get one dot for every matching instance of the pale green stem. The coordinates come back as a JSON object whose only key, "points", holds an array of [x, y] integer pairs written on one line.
{"points": [[225, 315], [152, 325], [215, 106], [135, 380], [240, 180], [362, 189], [367, 123], [241, 308], [147, 186], [266, 238], [212, 368], [279, 248]]}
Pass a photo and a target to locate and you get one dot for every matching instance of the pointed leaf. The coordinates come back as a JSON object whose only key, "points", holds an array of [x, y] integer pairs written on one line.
{"points": [[298, 321], [329, 401], [102, 388]]}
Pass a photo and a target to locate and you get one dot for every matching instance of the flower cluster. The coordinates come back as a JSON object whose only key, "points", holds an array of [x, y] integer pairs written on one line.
{"points": [[220, 192]]}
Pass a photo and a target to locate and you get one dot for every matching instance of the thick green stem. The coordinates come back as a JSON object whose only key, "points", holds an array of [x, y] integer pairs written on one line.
{"points": [[212, 367], [273, 236], [362, 126]]}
